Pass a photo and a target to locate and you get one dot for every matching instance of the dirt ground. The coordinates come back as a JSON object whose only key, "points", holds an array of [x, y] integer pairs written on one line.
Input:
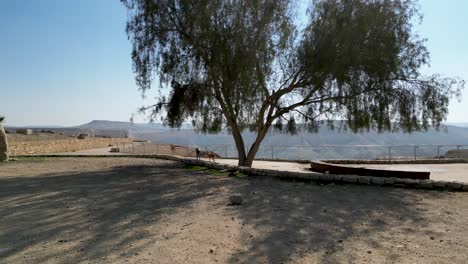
{"points": [[125, 210]]}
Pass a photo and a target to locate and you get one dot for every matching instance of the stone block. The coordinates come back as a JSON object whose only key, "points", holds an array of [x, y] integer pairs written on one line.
{"points": [[337, 178], [389, 181], [326, 177], [350, 178], [465, 187], [364, 179], [411, 182], [439, 184], [313, 176], [399, 181], [426, 184], [377, 180], [454, 186]]}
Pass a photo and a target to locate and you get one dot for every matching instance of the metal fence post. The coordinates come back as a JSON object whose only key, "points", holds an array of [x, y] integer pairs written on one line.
{"points": [[415, 150], [272, 152], [389, 154], [438, 152], [225, 151]]}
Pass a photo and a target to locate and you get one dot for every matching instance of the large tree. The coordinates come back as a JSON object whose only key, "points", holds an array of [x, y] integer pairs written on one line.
{"points": [[257, 64]]}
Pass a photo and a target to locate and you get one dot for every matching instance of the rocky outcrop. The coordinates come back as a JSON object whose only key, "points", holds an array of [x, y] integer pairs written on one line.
{"points": [[3, 142]]}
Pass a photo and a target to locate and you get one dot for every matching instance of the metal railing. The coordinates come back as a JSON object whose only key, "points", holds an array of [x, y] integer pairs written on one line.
{"points": [[302, 152]]}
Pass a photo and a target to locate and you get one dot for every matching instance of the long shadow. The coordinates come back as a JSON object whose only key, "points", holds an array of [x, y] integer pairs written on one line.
{"points": [[94, 214], [292, 221]]}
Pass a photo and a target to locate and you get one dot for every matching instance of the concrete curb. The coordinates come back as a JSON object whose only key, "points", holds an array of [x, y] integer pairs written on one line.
{"points": [[301, 176]]}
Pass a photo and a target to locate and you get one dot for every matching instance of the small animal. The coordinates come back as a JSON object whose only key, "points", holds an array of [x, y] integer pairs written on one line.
{"points": [[197, 153], [173, 148], [211, 156]]}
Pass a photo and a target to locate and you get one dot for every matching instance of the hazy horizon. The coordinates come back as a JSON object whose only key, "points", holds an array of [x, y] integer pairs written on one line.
{"points": [[68, 62]]}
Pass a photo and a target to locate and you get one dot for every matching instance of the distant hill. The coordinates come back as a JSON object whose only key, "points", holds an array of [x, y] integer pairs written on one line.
{"points": [[465, 124], [119, 125]]}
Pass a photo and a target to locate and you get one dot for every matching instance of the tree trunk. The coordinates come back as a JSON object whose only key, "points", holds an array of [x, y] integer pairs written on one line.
{"points": [[254, 149], [239, 144]]}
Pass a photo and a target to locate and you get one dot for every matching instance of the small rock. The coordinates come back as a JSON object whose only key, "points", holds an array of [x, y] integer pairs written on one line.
{"points": [[211, 251], [369, 252], [235, 199], [432, 238]]}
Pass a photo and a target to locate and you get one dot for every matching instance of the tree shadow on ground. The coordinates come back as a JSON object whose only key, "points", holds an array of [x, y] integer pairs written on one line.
{"points": [[94, 214], [292, 221]]}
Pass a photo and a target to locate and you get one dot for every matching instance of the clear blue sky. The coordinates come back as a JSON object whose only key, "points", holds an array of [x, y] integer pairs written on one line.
{"points": [[68, 62]]}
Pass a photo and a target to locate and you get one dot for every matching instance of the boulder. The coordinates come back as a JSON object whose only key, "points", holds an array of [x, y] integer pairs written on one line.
{"points": [[3, 142]]}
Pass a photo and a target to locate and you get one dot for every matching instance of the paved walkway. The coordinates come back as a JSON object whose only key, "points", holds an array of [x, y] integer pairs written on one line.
{"points": [[442, 172]]}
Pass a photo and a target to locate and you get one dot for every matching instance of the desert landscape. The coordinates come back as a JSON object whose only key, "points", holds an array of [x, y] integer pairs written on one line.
{"points": [[246, 131], [127, 210]]}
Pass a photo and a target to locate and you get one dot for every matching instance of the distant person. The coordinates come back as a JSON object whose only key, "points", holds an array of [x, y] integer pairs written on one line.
{"points": [[197, 152]]}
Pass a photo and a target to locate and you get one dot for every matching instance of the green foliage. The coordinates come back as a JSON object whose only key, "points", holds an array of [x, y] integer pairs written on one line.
{"points": [[248, 65]]}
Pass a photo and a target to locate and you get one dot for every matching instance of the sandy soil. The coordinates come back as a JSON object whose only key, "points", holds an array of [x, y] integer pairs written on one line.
{"points": [[124, 210]]}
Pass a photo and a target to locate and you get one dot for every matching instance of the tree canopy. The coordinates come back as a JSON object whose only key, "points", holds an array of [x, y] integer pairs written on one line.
{"points": [[252, 64]]}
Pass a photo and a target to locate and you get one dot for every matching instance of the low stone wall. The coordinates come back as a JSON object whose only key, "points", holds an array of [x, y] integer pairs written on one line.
{"points": [[375, 162], [337, 179], [64, 145], [304, 176]]}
